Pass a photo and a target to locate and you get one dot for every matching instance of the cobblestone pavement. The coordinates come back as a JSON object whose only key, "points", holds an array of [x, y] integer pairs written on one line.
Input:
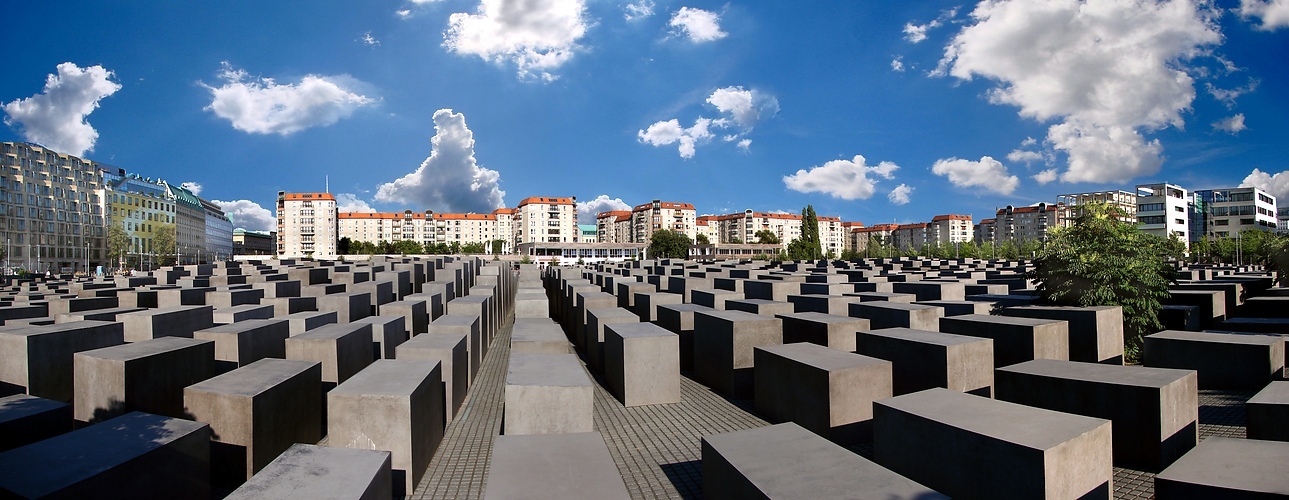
{"points": [[657, 448]]}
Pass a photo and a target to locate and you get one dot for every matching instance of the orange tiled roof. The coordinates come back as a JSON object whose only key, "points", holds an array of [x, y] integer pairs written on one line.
{"points": [[548, 201], [308, 196]]}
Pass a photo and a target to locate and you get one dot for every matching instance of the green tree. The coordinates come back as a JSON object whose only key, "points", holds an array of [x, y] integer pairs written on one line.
{"points": [[472, 248], [666, 244], [701, 239], [969, 250], [118, 244], [735, 240], [498, 246], [406, 247], [454, 248], [1103, 261], [767, 237], [343, 246], [163, 244], [808, 247]]}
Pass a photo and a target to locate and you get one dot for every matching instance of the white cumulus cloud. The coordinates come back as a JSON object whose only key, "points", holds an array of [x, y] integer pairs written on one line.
{"points": [[1277, 185], [368, 39], [586, 210], [670, 132], [349, 202], [537, 36], [697, 25], [845, 179], [194, 187], [1228, 96], [1106, 70], [55, 118], [987, 173], [449, 180], [260, 105], [1273, 13], [745, 144], [1045, 177], [1232, 125], [897, 64], [745, 107], [915, 33], [635, 11], [1024, 156], [900, 195], [247, 214]]}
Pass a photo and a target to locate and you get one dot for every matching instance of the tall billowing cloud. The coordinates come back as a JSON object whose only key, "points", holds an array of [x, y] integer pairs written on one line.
{"points": [[1273, 13], [55, 118], [740, 109], [845, 179], [259, 105], [697, 25], [349, 202], [537, 36], [247, 214], [450, 180], [987, 173], [1105, 70], [586, 210], [1277, 185]]}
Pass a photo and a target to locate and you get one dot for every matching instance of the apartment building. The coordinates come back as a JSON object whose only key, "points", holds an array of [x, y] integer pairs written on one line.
{"points": [[1163, 210], [307, 225], [373, 227], [650, 217], [1123, 200], [848, 234], [910, 236], [546, 220], [613, 226], [866, 239], [742, 227], [466, 229], [832, 235], [219, 236], [949, 229], [1229, 211], [1021, 224], [52, 209], [984, 231], [705, 226], [505, 228], [140, 206], [190, 219]]}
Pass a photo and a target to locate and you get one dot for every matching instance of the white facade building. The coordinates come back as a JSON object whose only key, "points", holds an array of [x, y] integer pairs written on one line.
{"points": [[306, 225]]}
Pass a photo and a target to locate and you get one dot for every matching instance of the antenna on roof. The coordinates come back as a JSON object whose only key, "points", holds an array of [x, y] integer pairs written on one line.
{"points": [[327, 182]]}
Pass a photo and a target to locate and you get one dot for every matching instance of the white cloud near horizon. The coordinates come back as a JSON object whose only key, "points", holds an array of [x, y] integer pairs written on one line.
{"points": [[537, 36], [1232, 125], [988, 174], [1277, 185], [900, 195], [55, 118], [1104, 70], [668, 132], [194, 187], [740, 109], [586, 210], [450, 179], [1273, 14], [260, 105], [844, 179], [249, 215], [349, 202], [697, 25]]}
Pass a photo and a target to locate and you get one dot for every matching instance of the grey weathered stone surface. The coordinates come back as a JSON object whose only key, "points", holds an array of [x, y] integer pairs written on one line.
{"points": [[27, 419], [245, 342], [304, 321], [825, 390], [536, 466], [1155, 411], [539, 338], [351, 306], [450, 351], [144, 376], [972, 447], [932, 290], [38, 360], [387, 332], [1096, 333], [788, 461], [415, 313], [307, 471], [462, 324], [173, 321], [244, 312], [138, 455], [723, 344], [1267, 413], [1222, 467], [923, 360], [679, 319], [256, 412], [547, 394], [1222, 360], [714, 298], [596, 319], [642, 363], [394, 405], [343, 349], [898, 315], [837, 332], [647, 302], [763, 307], [1016, 340]]}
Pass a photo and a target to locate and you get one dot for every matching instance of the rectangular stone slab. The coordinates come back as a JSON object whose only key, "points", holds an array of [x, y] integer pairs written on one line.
{"points": [[38, 360], [1267, 412], [311, 471], [538, 338], [468, 325], [1223, 360], [882, 314], [536, 466], [245, 342], [343, 350], [28, 419], [827, 391], [547, 394], [1155, 411], [679, 319], [1096, 333], [723, 344], [923, 360], [974, 447], [449, 350], [394, 405], [1221, 467], [837, 332], [387, 332], [642, 363], [256, 412], [788, 461], [172, 321], [138, 455], [1016, 340], [143, 376]]}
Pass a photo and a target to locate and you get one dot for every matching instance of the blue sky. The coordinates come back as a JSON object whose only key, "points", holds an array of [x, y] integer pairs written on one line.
{"points": [[872, 111]]}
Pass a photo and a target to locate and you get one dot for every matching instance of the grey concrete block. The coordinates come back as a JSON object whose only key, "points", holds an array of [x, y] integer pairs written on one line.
{"points": [[1221, 467], [1267, 412], [723, 344], [788, 461], [1096, 333], [596, 319], [284, 306], [393, 405], [138, 455], [1223, 360], [387, 332], [837, 332], [166, 321], [38, 360], [646, 304], [351, 306], [245, 342], [679, 319], [827, 391], [1155, 411], [450, 351], [714, 298], [642, 363], [898, 315], [539, 338], [468, 325], [536, 466], [244, 312], [1016, 340], [256, 412], [762, 307], [343, 349], [547, 394], [415, 313], [28, 419], [146, 376], [972, 447], [306, 471], [923, 360]]}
